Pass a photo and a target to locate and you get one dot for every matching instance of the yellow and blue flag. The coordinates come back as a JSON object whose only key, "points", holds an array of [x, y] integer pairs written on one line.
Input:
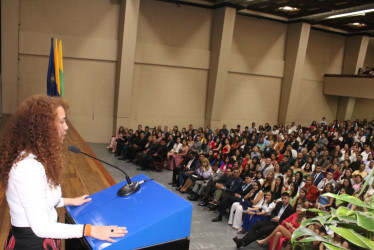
{"points": [[55, 76]]}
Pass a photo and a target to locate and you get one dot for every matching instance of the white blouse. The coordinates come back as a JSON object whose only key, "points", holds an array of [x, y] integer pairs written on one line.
{"points": [[32, 201], [268, 207]]}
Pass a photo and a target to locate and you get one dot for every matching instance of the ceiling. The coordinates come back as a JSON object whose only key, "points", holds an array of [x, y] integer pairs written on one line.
{"points": [[314, 12]]}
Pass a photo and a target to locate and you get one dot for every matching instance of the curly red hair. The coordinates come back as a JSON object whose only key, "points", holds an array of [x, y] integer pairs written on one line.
{"points": [[32, 129]]}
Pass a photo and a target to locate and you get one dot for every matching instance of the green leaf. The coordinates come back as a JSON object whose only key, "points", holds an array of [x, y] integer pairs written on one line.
{"points": [[311, 236], [333, 247], [315, 210], [303, 231], [367, 181], [364, 220], [344, 211], [347, 219], [308, 222], [351, 199], [353, 237]]}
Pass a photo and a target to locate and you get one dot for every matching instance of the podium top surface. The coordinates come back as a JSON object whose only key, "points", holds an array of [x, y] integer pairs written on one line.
{"points": [[153, 215]]}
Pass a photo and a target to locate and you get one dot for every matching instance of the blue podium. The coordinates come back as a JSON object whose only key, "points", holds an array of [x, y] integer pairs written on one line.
{"points": [[154, 216]]}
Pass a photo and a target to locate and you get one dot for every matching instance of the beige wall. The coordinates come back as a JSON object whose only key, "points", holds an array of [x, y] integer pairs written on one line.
{"points": [[324, 55], [369, 59], [255, 72], [172, 61], [88, 30], [363, 109]]}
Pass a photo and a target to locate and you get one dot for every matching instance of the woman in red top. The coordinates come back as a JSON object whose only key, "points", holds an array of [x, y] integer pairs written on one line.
{"points": [[311, 190], [286, 228], [226, 149]]}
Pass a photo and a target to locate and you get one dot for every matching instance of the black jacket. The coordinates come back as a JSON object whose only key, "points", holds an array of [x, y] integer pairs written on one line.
{"points": [[286, 213]]}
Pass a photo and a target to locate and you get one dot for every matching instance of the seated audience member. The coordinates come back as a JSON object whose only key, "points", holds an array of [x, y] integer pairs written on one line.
{"points": [[201, 173], [277, 171], [284, 230], [311, 191], [259, 177], [253, 200], [301, 199], [279, 188], [113, 141], [266, 167], [361, 171], [157, 157], [340, 203], [225, 165], [269, 183], [204, 148], [170, 142], [284, 164], [296, 167], [324, 202], [124, 143], [299, 179], [196, 147], [255, 214], [288, 178], [245, 171], [136, 147], [255, 153], [212, 187], [180, 172], [232, 185], [226, 149], [229, 198], [174, 151], [263, 228], [175, 159], [347, 175], [347, 184], [143, 154], [358, 182], [328, 180], [293, 191], [200, 186], [318, 176], [155, 153]]}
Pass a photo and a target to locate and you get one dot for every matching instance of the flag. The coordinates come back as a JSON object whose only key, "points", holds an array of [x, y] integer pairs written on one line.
{"points": [[61, 69], [51, 75], [55, 78]]}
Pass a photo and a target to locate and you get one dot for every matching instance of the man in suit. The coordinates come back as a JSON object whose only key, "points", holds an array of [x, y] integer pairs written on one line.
{"points": [[264, 228], [232, 186], [201, 185], [318, 176], [188, 170], [229, 198], [211, 185], [284, 164]]}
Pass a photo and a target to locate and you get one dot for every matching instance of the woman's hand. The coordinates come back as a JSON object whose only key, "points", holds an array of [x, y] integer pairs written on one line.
{"points": [[77, 201], [108, 232]]}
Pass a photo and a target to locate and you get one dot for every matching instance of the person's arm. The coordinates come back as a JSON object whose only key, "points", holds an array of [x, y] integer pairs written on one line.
{"points": [[185, 151], [31, 185], [259, 196], [273, 186]]}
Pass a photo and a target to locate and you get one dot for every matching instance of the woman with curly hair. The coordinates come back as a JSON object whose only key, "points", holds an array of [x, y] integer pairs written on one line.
{"points": [[31, 160]]}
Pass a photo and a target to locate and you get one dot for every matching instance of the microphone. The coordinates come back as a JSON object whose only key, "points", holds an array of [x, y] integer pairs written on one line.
{"points": [[128, 189]]}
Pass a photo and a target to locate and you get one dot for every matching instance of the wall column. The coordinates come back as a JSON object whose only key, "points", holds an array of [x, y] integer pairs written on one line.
{"points": [[297, 43], [354, 57], [127, 34], [222, 32], [9, 55]]}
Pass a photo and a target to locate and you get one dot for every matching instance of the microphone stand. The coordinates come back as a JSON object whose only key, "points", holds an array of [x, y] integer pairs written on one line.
{"points": [[129, 188]]}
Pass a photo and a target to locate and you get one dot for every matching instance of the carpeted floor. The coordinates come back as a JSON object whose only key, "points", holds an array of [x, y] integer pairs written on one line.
{"points": [[205, 234]]}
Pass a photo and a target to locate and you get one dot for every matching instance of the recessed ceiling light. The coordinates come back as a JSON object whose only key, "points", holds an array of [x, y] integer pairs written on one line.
{"points": [[288, 9], [355, 13], [356, 25]]}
